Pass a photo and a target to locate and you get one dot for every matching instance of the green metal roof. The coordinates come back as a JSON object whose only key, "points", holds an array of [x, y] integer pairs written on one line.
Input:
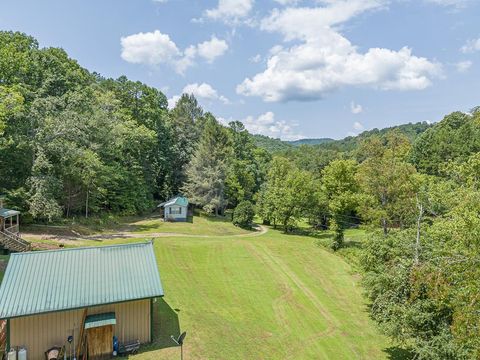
{"points": [[54, 280], [6, 213], [92, 321], [178, 200]]}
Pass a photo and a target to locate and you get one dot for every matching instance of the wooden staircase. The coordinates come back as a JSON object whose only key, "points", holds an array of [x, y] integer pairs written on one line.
{"points": [[13, 242], [3, 336]]}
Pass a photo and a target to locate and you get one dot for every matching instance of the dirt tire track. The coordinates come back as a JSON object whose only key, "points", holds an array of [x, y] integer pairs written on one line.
{"points": [[126, 235]]}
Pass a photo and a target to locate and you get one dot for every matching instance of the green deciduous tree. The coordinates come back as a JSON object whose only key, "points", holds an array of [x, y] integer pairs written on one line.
{"points": [[388, 181], [242, 173], [287, 194], [340, 187], [243, 214]]}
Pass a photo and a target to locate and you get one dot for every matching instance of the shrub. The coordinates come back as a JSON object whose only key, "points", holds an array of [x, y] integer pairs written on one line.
{"points": [[243, 215]]}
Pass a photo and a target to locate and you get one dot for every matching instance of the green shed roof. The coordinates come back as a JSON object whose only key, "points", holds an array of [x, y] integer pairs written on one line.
{"points": [[92, 321], [6, 213], [177, 200], [45, 281]]}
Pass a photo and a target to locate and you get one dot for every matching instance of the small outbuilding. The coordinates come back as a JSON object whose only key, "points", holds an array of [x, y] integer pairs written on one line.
{"points": [[175, 209], [9, 219], [92, 294], [10, 239]]}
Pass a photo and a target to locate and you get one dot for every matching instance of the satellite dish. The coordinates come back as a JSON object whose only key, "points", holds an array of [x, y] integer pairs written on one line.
{"points": [[179, 342], [181, 337]]}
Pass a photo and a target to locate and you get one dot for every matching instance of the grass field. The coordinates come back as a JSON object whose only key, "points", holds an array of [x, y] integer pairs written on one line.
{"points": [[271, 296], [198, 225]]}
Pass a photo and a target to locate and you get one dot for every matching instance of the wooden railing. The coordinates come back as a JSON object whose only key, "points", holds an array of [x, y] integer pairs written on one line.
{"points": [[14, 242], [13, 229]]}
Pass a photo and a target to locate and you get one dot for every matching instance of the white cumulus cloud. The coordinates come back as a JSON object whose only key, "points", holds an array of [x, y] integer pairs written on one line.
{"points": [[154, 48], [471, 46], [204, 91], [267, 125], [358, 126], [288, 2], [230, 10], [454, 3], [149, 48], [463, 66], [173, 101], [212, 48], [319, 59], [201, 91], [355, 108]]}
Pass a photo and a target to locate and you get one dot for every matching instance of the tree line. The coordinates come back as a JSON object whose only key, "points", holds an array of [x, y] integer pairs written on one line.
{"points": [[73, 143]]}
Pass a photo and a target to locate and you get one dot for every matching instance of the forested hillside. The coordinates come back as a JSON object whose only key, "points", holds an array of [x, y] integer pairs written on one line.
{"points": [[411, 131], [270, 144], [347, 144], [310, 141], [420, 201], [73, 143]]}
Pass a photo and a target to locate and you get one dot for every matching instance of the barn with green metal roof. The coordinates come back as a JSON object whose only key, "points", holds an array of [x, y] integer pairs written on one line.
{"points": [[91, 293]]}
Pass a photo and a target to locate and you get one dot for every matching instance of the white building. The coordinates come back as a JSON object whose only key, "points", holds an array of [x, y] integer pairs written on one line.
{"points": [[175, 209]]}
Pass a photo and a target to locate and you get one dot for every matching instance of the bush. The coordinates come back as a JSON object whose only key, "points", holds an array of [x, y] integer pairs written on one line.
{"points": [[243, 215]]}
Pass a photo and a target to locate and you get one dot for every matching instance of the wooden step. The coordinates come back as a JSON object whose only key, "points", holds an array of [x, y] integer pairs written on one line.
{"points": [[14, 242]]}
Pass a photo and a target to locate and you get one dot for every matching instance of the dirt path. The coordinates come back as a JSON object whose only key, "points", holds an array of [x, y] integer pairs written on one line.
{"points": [[259, 230]]}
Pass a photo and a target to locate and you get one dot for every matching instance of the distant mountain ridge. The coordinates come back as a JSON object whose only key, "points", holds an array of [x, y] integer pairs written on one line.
{"points": [[309, 141], [411, 130]]}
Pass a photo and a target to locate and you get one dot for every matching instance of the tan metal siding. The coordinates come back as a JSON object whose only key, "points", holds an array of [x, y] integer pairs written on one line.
{"points": [[40, 332]]}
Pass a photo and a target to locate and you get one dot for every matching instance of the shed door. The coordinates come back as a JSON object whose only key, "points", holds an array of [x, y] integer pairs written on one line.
{"points": [[100, 342]]}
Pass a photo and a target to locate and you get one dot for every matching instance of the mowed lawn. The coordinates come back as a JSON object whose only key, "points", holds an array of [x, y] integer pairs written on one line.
{"points": [[273, 296], [198, 225]]}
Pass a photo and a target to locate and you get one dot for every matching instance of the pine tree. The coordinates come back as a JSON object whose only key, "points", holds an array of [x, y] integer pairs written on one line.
{"points": [[206, 172]]}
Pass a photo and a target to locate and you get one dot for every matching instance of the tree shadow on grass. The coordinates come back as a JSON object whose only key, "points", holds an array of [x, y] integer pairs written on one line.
{"points": [[308, 232], [348, 243], [398, 353], [165, 324]]}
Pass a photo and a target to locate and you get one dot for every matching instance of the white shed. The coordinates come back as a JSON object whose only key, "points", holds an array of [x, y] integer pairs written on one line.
{"points": [[175, 209]]}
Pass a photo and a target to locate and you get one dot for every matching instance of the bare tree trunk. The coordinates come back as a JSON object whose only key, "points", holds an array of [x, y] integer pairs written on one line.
{"points": [[384, 220], [86, 204], [69, 200], [419, 222]]}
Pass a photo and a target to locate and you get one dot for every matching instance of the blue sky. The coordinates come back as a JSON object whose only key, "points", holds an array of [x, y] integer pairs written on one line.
{"points": [[287, 68]]}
